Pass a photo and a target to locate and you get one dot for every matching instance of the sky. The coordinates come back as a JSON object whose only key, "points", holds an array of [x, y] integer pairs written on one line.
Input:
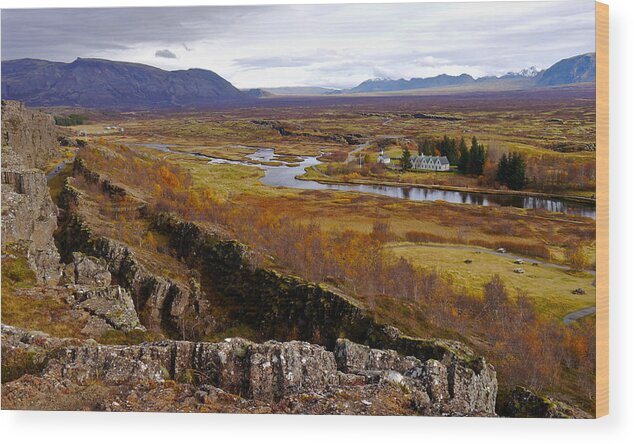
{"points": [[329, 45]]}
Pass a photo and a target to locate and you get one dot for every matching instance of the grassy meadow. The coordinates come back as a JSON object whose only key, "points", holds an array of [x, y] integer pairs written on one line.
{"points": [[471, 268]]}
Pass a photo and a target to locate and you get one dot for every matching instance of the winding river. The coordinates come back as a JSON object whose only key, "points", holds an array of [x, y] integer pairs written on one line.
{"points": [[284, 173]]}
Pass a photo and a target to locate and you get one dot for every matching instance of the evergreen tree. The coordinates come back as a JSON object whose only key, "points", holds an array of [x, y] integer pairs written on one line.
{"points": [[503, 168], [512, 171], [425, 147], [448, 149], [477, 157], [463, 162], [406, 160], [517, 174]]}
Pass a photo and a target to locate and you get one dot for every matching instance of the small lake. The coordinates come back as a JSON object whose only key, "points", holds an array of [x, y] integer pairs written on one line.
{"points": [[284, 174]]}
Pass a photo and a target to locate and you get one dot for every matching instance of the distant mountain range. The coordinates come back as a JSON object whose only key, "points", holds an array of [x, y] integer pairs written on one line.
{"points": [[299, 90], [102, 83], [98, 83], [578, 69]]}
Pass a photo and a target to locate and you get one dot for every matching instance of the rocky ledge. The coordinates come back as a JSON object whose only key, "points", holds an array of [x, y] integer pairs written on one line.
{"points": [[249, 375]]}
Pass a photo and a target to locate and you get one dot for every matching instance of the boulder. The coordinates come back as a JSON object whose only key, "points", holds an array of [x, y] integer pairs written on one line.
{"points": [[113, 305], [524, 403], [86, 270]]}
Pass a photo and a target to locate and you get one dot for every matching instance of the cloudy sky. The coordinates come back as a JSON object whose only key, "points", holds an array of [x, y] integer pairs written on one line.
{"points": [[312, 45]]}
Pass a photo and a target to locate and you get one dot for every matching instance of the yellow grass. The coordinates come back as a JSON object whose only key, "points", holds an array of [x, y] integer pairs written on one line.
{"points": [[550, 287]]}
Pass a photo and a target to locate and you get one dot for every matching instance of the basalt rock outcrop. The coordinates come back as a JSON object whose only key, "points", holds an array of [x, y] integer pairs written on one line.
{"points": [[162, 303], [32, 134], [268, 372], [287, 307], [112, 305], [29, 216], [86, 270]]}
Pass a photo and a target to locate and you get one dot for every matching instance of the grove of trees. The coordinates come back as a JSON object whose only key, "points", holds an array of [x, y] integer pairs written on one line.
{"points": [[512, 171], [70, 120], [469, 160]]}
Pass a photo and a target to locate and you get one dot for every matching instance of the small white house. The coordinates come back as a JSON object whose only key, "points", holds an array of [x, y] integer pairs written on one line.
{"points": [[431, 163], [384, 159]]}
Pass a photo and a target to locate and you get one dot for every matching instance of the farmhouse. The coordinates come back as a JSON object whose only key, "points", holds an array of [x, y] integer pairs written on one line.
{"points": [[433, 163]]}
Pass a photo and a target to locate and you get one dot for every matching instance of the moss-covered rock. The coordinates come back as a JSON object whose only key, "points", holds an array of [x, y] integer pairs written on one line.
{"points": [[521, 402]]}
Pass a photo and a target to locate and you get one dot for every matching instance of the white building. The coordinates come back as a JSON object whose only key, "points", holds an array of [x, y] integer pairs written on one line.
{"points": [[431, 163], [383, 158]]}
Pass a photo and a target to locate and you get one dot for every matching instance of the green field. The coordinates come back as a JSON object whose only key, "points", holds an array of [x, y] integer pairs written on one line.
{"points": [[550, 286]]}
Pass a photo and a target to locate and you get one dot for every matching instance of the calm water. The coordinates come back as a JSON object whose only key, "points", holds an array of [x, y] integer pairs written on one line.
{"points": [[283, 175]]}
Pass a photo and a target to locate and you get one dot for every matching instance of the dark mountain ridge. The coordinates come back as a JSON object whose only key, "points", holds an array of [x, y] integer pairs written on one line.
{"points": [[100, 83], [578, 69]]}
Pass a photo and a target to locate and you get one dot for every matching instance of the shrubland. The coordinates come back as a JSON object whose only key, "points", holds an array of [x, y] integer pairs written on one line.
{"points": [[525, 346]]}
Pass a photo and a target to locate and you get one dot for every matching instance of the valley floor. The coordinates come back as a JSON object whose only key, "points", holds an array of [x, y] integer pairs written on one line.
{"points": [[429, 269]]}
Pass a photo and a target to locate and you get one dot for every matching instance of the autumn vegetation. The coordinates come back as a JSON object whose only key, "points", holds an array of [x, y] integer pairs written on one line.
{"points": [[525, 347]]}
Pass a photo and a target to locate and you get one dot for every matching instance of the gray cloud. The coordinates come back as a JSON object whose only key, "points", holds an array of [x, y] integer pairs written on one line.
{"points": [[165, 53], [335, 45], [274, 62]]}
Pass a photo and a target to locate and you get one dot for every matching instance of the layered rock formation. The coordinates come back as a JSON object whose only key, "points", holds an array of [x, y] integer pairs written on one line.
{"points": [[86, 270], [269, 372], [113, 306], [165, 303], [31, 134], [29, 216]]}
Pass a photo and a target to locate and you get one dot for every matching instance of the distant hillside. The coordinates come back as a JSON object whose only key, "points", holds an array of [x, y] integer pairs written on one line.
{"points": [[415, 83], [578, 69], [257, 93], [300, 90], [568, 71], [99, 83]]}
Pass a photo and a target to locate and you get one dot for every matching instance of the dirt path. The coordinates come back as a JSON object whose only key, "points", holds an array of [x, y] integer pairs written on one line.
{"points": [[576, 315], [352, 154]]}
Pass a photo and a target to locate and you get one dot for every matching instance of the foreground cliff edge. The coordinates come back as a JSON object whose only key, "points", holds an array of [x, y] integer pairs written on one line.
{"points": [[106, 308]]}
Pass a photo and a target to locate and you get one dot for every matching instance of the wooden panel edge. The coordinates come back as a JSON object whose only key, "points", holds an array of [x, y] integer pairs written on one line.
{"points": [[602, 197]]}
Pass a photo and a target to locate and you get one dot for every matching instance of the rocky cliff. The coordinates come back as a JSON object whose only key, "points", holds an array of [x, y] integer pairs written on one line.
{"points": [[351, 379], [29, 216], [32, 134], [162, 303]]}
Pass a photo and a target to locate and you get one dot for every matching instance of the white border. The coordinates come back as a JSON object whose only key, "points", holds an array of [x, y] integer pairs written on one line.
{"points": [[95, 428]]}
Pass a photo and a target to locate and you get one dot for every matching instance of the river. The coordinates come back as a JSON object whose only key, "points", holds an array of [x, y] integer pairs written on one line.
{"points": [[283, 174]]}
